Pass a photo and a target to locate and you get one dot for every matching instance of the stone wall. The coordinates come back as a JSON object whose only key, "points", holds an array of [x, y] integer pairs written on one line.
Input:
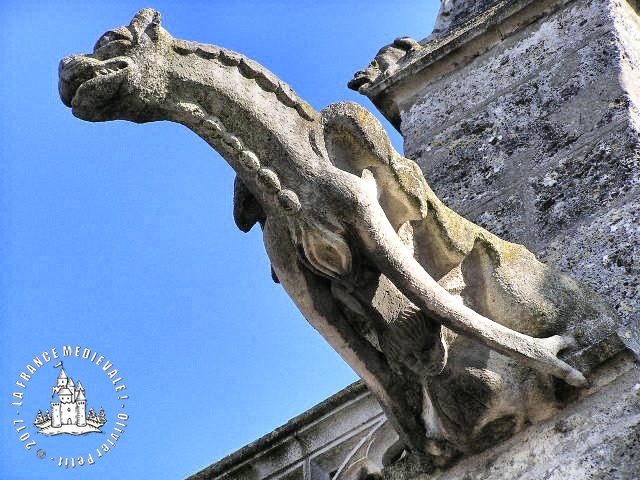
{"points": [[536, 139]]}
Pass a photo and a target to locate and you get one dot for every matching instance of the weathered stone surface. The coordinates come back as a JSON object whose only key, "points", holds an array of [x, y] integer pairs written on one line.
{"points": [[395, 77], [526, 120], [557, 138], [456, 331], [453, 13], [597, 437], [548, 119]]}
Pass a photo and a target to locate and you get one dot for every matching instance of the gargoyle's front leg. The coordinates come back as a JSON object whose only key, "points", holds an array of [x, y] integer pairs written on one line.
{"points": [[392, 258]]}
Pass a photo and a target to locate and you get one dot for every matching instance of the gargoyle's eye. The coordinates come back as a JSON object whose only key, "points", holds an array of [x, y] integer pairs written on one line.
{"points": [[113, 43]]}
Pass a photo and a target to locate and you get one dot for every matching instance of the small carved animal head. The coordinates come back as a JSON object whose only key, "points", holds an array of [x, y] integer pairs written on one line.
{"points": [[417, 342], [125, 76]]}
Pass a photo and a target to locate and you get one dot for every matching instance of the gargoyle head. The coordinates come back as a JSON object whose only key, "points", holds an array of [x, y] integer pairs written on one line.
{"points": [[125, 76]]}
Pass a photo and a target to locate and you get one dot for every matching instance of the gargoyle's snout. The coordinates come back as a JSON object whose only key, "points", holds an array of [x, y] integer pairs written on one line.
{"points": [[101, 79], [70, 77]]}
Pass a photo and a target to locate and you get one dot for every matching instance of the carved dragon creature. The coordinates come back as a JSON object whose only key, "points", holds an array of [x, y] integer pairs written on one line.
{"points": [[412, 295]]}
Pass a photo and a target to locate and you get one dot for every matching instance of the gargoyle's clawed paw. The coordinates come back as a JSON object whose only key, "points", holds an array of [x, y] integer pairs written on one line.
{"points": [[575, 378], [559, 368], [557, 343]]}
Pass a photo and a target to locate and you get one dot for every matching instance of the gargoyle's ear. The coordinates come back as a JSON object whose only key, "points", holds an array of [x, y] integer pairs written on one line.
{"points": [[354, 137], [147, 21], [357, 143]]}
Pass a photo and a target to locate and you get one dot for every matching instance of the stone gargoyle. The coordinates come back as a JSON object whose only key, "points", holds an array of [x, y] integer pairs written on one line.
{"points": [[456, 331]]}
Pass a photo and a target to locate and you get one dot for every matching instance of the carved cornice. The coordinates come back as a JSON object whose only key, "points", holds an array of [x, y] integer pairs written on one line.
{"points": [[326, 411], [408, 66]]}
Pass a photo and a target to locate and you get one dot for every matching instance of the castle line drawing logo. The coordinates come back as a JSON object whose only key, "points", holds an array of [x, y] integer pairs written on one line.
{"points": [[63, 434], [69, 413]]}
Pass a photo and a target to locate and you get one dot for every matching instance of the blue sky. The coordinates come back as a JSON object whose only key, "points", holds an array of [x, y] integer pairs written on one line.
{"points": [[119, 239]]}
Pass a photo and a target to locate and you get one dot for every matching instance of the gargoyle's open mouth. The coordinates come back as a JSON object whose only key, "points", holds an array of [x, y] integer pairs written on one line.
{"points": [[101, 78]]}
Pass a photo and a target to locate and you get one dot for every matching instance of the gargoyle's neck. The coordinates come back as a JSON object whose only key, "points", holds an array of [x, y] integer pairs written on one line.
{"points": [[242, 110]]}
